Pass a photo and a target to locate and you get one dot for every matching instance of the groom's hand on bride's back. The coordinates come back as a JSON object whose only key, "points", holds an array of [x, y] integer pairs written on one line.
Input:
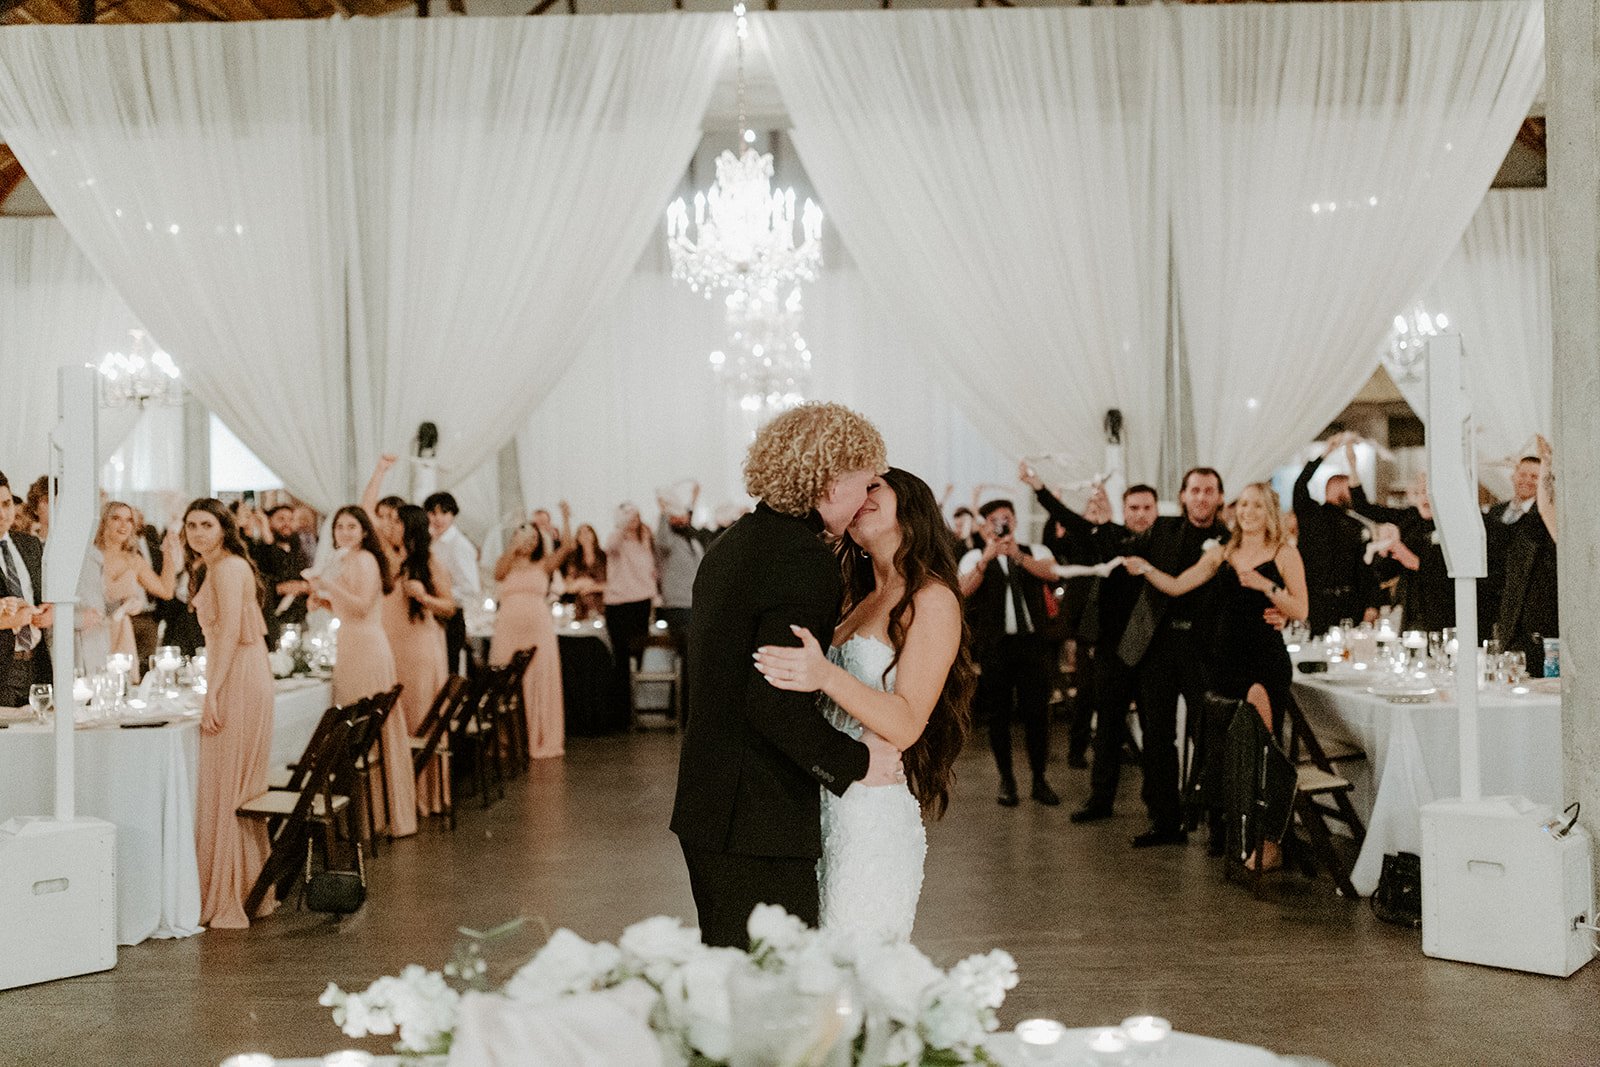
{"points": [[883, 761]]}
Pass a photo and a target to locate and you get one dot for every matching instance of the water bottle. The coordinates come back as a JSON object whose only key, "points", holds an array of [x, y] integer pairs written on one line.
{"points": [[1552, 657]]}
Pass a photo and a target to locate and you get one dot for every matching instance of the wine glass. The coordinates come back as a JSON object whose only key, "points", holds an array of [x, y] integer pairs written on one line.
{"points": [[42, 698]]}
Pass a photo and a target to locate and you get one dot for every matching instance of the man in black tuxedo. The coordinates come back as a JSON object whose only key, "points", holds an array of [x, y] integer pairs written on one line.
{"points": [[24, 654], [1340, 583], [1105, 617], [1501, 524], [748, 810], [1169, 640], [1528, 608], [281, 562]]}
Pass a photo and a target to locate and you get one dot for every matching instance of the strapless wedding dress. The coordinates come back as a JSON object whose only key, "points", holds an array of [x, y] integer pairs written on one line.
{"points": [[873, 841]]}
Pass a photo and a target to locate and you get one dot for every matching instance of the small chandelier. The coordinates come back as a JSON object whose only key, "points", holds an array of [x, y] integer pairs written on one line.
{"points": [[143, 375], [770, 363], [744, 229], [1408, 341]]}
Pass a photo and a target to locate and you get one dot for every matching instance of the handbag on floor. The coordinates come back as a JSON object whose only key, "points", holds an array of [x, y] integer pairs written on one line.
{"points": [[333, 891], [1398, 898]]}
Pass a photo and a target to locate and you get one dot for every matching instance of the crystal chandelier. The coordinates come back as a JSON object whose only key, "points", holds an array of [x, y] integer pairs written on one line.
{"points": [[1408, 341], [744, 229], [768, 363], [143, 375]]}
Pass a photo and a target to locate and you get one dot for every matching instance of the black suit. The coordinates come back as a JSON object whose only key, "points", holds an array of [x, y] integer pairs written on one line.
{"points": [[1113, 685], [1339, 582], [748, 811], [1498, 535], [21, 668], [281, 561], [1014, 678], [1528, 609], [1170, 640]]}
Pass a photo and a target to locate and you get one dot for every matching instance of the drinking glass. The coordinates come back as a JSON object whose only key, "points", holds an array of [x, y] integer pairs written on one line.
{"points": [[1513, 668], [42, 698]]}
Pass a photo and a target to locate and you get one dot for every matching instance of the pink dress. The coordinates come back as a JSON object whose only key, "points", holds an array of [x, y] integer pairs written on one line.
{"points": [[365, 666], [523, 621], [233, 761], [420, 664]]}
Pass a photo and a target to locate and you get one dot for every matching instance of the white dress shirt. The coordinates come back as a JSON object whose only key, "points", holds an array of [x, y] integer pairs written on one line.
{"points": [[461, 560], [974, 557]]}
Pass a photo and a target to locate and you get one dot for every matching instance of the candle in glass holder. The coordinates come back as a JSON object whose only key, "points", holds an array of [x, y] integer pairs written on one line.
{"points": [[82, 690], [1146, 1031], [1040, 1039], [249, 1059], [1415, 640], [1107, 1044]]}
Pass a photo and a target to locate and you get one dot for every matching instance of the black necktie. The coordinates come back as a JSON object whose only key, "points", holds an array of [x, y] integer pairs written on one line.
{"points": [[1018, 602], [13, 585]]}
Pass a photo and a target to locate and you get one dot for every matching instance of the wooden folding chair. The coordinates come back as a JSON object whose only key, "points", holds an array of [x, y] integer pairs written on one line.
{"points": [[653, 671], [290, 815], [291, 776], [513, 710], [477, 733], [370, 763], [1319, 784], [432, 744]]}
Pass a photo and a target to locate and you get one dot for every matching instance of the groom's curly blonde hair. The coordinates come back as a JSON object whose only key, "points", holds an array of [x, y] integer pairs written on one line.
{"points": [[797, 456]]}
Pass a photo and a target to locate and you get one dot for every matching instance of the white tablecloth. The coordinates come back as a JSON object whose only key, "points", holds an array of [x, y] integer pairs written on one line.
{"points": [[142, 781], [1412, 757]]}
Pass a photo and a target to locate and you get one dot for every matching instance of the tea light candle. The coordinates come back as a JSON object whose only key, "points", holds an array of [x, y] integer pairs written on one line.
{"points": [[249, 1059], [350, 1057], [1414, 639], [1146, 1030], [1040, 1039], [1108, 1045]]}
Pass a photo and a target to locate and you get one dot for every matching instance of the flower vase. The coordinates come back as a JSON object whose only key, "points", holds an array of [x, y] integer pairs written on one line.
{"points": [[777, 1024]]}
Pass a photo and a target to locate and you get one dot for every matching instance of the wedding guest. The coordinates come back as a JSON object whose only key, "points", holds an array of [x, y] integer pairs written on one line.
{"points": [[1249, 659], [1105, 618], [1003, 583], [39, 504], [461, 561], [1528, 606], [1169, 640], [147, 541], [964, 524], [679, 547], [630, 591], [236, 723], [24, 655], [1339, 581], [546, 530], [305, 528], [584, 575], [523, 621], [127, 578], [282, 563], [365, 663], [1427, 593], [413, 616], [1500, 525]]}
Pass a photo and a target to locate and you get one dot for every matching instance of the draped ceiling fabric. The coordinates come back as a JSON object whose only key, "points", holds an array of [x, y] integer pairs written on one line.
{"points": [[323, 254], [55, 311], [508, 173], [194, 167], [1495, 290], [995, 176], [1326, 159]]}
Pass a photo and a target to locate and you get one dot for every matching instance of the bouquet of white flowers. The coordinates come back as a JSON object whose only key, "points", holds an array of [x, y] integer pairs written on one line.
{"points": [[799, 996]]}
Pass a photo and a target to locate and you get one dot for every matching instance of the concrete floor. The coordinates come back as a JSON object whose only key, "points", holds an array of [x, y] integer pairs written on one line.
{"points": [[1099, 932]]}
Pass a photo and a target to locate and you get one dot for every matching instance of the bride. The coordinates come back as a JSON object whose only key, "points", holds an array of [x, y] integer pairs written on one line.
{"points": [[900, 668]]}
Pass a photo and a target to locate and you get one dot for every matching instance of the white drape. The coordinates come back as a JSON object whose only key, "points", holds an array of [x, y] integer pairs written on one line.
{"points": [[192, 165], [507, 174], [994, 176], [1495, 290], [640, 410], [1326, 160], [55, 311]]}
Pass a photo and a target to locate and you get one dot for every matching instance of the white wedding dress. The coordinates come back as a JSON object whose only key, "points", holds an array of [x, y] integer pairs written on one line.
{"points": [[873, 841]]}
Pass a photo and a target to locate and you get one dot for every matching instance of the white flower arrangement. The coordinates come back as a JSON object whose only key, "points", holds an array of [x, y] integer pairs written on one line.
{"points": [[883, 1005]]}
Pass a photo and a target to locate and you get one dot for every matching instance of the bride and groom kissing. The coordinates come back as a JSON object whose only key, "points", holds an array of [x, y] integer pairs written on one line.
{"points": [[829, 684]]}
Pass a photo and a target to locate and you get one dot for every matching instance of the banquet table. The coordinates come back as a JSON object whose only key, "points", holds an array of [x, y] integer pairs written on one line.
{"points": [[1412, 756], [588, 688], [143, 781]]}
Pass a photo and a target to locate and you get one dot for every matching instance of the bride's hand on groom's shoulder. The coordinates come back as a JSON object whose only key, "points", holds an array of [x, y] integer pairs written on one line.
{"points": [[799, 670]]}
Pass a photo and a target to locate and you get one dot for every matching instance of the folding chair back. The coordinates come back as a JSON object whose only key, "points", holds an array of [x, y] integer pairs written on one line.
{"points": [[290, 827]]}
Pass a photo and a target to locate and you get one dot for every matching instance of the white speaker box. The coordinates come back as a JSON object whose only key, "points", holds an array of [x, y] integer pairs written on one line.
{"points": [[1502, 887], [58, 899]]}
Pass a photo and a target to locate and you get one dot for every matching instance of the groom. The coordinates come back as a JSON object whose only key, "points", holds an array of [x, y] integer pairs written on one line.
{"points": [[748, 811]]}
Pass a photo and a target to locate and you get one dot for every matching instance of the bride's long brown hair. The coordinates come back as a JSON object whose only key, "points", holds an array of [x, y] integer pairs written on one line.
{"points": [[927, 555]]}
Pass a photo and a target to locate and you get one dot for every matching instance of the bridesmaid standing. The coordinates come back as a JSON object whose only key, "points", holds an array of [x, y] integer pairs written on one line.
{"points": [[523, 621], [365, 665], [412, 617], [236, 725]]}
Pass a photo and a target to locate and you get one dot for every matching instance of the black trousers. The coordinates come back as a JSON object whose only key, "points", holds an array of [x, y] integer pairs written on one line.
{"points": [[1015, 684], [1175, 665], [628, 624], [1085, 705], [19, 672], [455, 639], [727, 888], [1116, 685]]}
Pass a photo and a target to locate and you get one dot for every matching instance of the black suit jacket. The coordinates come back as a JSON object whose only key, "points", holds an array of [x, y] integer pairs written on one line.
{"points": [[1107, 601], [1162, 547], [1529, 604], [753, 754], [1497, 540], [12, 673]]}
